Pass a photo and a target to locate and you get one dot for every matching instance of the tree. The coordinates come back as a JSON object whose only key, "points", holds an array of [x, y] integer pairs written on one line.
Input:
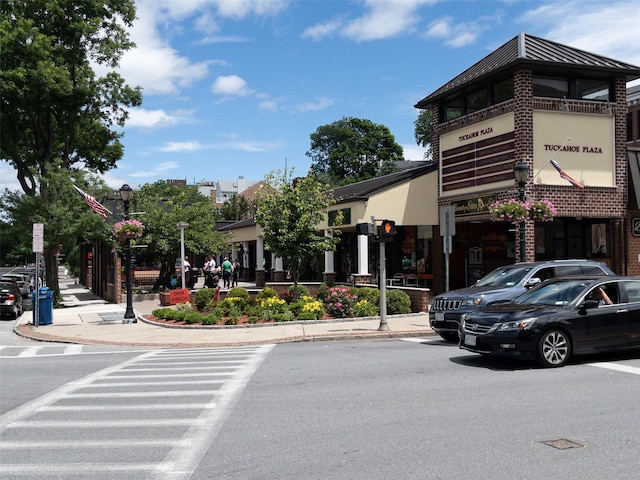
{"points": [[289, 213], [423, 131], [68, 221], [164, 206], [235, 208], [55, 112], [352, 149]]}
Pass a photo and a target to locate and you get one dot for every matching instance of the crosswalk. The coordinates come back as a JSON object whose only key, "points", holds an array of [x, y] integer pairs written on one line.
{"points": [[40, 350], [152, 416]]}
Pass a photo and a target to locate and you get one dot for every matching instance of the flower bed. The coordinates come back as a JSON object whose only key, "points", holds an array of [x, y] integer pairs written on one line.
{"points": [[237, 308]]}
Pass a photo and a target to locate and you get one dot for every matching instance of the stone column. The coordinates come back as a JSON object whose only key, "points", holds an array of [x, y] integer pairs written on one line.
{"points": [[260, 273], [329, 274]]}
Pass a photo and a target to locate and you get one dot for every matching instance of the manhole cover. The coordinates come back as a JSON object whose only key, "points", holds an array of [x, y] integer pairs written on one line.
{"points": [[111, 316], [562, 444]]}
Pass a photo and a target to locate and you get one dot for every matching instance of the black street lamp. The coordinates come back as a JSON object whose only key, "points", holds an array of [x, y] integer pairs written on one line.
{"points": [[521, 172], [129, 316]]}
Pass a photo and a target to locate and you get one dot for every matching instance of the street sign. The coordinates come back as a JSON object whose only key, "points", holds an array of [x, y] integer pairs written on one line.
{"points": [[635, 227], [447, 221], [38, 237]]}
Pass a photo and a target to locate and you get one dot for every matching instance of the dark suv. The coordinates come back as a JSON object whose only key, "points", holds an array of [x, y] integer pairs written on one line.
{"points": [[10, 299], [504, 283]]}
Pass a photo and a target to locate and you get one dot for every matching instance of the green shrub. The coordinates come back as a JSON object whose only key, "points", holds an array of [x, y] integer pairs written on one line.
{"points": [[272, 306], [398, 302], [253, 319], [370, 294], [240, 293], [210, 318], [299, 291], [307, 316], [165, 313], [184, 307], [323, 291], [266, 293], [204, 296], [363, 308], [283, 317], [193, 317], [231, 305]]}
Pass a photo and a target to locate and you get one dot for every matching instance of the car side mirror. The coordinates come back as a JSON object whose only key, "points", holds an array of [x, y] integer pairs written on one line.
{"points": [[589, 304], [532, 282]]}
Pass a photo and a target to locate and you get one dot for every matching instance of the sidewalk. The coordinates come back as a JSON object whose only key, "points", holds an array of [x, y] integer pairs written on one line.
{"points": [[87, 319]]}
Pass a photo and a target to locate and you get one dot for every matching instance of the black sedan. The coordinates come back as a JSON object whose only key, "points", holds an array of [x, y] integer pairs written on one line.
{"points": [[559, 318]]}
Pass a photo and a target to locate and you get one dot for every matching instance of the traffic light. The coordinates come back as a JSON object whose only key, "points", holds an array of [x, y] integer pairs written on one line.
{"points": [[388, 227]]}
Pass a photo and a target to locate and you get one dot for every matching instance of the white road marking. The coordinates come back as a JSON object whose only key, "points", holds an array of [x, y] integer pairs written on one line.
{"points": [[30, 351], [208, 408], [421, 340], [617, 367]]}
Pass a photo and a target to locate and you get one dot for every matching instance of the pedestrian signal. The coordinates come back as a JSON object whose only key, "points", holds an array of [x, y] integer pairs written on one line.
{"points": [[388, 227]]}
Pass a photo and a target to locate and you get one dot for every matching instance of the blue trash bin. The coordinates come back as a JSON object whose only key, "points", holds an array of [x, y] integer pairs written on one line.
{"points": [[45, 306]]}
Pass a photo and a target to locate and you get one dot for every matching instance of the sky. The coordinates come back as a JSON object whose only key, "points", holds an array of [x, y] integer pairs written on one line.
{"points": [[236, 87]]}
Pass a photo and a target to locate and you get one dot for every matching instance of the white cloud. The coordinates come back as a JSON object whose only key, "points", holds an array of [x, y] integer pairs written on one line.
{"points": [[176, 147], [385, 19], [458, 35], [321, 103], [608, 28], [157, 171], [321, 30], [140, 117], [231, 85]]}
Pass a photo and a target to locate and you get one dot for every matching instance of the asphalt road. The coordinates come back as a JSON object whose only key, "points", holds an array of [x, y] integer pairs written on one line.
{"points": [[387, 409]]}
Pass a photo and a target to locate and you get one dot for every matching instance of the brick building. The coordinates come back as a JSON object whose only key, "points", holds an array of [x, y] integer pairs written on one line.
{"points": [[536, 103]]}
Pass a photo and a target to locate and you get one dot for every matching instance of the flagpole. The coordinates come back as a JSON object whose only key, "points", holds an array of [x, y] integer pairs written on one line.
{"points": [[551, 158]]}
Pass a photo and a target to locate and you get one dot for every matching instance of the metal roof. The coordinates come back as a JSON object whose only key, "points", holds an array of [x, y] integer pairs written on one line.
{"points": [[364, 189], [360, 190], [525, 49]]}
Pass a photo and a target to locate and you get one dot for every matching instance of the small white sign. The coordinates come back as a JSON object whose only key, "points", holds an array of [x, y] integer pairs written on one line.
{"points": [[38, 237]]}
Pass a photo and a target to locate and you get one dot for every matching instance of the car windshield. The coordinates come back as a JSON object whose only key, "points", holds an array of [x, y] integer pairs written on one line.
{"points": [[6, 287], [553, 293], [503, 277]]}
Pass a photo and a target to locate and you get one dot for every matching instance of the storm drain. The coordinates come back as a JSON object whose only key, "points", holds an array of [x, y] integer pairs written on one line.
{"points": [[562, 444]]}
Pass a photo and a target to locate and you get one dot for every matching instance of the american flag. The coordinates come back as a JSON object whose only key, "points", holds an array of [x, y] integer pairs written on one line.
{"points": [[94, 204], [564, 175]]}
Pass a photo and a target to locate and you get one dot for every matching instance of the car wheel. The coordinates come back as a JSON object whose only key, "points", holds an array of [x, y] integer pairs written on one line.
{"points": [[449, 337], [554, 349]]}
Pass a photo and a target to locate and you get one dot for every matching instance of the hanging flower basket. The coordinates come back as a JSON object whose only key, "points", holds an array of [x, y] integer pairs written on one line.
{"points": [[128, 229], [541, 210], [511, 211], [514, 211]]}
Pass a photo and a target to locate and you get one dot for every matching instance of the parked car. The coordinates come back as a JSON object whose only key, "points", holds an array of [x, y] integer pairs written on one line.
{"points": [[10, 299], [504, 283], [21, 280], [562, 317]]}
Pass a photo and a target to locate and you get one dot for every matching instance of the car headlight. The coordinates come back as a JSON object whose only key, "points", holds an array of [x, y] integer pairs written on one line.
{"points": [[519, 325], [472, 302]]}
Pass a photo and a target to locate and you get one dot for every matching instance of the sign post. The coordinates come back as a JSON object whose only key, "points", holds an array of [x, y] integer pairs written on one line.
{"points": [[447, 231], [38, 248]]}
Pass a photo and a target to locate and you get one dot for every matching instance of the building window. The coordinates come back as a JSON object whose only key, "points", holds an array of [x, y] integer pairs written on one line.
{"points": [[503, 91], [477, 101], [554, 87], [453, 109], [592, 90], [630, 126]]}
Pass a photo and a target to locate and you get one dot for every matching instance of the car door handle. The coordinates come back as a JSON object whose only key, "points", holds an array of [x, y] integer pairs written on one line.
{"points": [[624, 310]]}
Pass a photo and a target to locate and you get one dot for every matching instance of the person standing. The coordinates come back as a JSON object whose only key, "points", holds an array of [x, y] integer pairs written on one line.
{"points": [[227, 269], [236, 273]]}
